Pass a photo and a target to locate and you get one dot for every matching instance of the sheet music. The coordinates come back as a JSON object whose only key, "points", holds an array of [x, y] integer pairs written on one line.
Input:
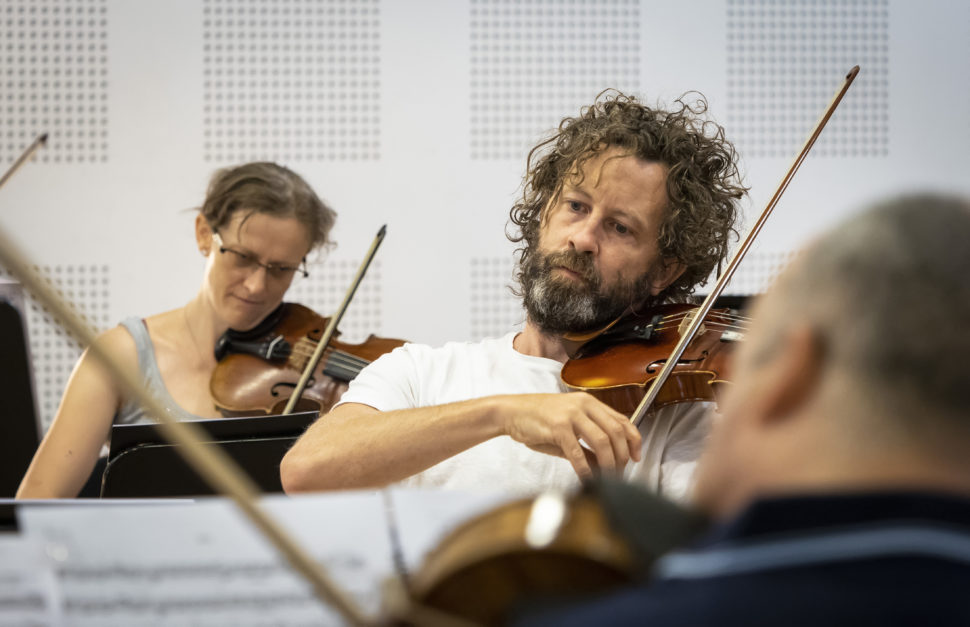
{"points": [[28, 590], [424, 517], [203, 564]]}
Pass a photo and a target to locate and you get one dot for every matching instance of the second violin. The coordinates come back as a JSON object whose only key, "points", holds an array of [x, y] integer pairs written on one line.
{"points": [[259, 369]]}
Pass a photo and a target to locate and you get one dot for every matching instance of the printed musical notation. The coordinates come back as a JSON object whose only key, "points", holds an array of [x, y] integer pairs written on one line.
{"points": [[28, 590], [202, 564]]}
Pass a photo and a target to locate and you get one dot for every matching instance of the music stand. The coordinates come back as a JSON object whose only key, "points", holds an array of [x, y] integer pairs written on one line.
{"points": [[19, 434], [142, 464]]}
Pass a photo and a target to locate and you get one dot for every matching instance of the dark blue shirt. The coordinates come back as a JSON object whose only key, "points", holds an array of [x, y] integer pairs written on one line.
{"points": [[880, 559]]}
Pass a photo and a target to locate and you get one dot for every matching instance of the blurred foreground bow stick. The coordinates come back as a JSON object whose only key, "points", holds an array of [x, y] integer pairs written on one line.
{"points": [[212, 464], [688, 335], [22, 159]]}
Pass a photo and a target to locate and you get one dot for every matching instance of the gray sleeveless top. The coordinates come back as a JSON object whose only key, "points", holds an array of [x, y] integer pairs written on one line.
{"points": [[131, 412]]}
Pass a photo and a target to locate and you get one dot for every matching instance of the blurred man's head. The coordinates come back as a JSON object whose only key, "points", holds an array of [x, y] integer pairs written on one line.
{"points": [[854, 373]]}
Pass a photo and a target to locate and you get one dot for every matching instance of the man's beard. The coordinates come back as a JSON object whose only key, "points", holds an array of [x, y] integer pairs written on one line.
{"points": [[564, 305]]}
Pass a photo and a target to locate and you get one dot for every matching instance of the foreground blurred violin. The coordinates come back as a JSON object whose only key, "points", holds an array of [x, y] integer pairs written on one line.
{"points": [[633, 368], [273, 368]]}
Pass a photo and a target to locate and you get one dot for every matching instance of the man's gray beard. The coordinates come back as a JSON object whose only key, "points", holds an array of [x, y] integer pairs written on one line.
{"points": [[566, 306]]}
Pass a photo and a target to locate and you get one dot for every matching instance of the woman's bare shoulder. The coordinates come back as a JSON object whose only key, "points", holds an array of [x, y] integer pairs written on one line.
{"points": [[119, 344]]}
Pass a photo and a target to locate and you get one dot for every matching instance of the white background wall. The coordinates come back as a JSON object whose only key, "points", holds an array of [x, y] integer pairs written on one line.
{"points": [[436, 103]]}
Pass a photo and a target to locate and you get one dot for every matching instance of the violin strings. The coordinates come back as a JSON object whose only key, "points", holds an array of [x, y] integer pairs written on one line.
{"points": [[334, 358], [708, 324], [332, 355], [684, 314], [673, 321], [337, 358]]}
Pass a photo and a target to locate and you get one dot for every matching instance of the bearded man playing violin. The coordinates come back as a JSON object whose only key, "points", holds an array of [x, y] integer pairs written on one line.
{"points": [[625, 207]]}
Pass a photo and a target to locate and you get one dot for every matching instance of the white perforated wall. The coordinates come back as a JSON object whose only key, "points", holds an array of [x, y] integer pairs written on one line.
{"points": [[531, 61], [53, 351], [291, 81], [494, 309], [324, 291], [55, 77], [782, 58]]}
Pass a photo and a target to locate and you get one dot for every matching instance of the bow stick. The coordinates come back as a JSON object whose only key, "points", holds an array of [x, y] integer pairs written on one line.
{"points": [[688, 335], [334, 320]]}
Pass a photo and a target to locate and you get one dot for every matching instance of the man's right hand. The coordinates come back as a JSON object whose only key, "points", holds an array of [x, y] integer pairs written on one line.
{"points": [[555, 423]]}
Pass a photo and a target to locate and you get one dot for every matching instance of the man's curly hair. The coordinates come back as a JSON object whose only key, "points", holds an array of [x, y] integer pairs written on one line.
{"points": [[703, 182]]}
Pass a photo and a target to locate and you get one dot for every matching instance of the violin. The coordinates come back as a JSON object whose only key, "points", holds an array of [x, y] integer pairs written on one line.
{"points": [[621, 361], [551, 547], [258, 370]]}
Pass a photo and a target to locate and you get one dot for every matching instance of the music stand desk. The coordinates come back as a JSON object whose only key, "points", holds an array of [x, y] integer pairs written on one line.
{"points": [[142, 464]]}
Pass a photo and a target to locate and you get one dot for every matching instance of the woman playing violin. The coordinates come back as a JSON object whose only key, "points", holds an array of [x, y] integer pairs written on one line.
{"points": [[258, 223]]}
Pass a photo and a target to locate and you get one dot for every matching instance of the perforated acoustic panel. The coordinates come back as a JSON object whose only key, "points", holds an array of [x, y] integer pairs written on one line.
{"points": [[534, 61], [325, 288], [757, 272], [784, 62], [495, 310], [53, 351], [291, 80], [55, 78]]}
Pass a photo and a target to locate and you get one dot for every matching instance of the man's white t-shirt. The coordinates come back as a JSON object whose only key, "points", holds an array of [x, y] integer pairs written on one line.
{"points": [[416, 375]]}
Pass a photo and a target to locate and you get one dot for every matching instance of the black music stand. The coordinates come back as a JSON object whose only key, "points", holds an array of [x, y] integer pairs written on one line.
{"points": [[18, 414], [142, 464]]}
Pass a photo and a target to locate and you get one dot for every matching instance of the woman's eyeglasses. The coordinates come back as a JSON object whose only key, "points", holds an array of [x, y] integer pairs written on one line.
{"points": [[245, 261]]}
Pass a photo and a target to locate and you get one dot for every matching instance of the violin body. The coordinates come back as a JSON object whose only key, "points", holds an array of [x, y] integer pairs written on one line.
{"points": [[259, 371], [617, 366], [485, 567], [552, 548]]}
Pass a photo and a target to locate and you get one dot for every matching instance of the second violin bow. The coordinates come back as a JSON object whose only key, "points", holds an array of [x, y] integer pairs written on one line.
{"points": [[334, 320]]}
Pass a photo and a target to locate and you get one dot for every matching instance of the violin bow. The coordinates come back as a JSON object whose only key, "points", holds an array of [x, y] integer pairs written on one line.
{"points": [[22, 159], [210, 462], [688, 335], [334, 320]]}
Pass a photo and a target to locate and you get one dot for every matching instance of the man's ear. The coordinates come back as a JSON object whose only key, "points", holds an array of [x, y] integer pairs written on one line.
{"points": [[670, 270], [203, 235], [792, 378]]}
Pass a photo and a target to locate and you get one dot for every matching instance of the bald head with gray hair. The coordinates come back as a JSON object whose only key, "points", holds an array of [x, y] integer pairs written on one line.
{"points": [[854, 372], [888, 293]]}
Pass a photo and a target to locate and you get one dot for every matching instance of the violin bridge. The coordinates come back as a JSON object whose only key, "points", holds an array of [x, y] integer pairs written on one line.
{"points": [[732, 336], [687, 321]]}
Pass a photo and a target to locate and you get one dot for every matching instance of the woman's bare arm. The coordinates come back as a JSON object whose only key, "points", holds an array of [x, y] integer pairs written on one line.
{"points": [[69, 450]]}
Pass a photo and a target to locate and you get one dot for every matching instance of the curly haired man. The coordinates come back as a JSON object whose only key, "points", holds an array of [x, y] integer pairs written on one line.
{"points": [[624, 207]]}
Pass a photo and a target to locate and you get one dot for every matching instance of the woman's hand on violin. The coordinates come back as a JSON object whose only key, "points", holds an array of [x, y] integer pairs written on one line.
{"points": [[554, 424]]}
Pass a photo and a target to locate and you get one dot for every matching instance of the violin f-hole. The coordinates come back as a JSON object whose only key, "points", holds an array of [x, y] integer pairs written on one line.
{"points": [[656, 366], [287, 386]]}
